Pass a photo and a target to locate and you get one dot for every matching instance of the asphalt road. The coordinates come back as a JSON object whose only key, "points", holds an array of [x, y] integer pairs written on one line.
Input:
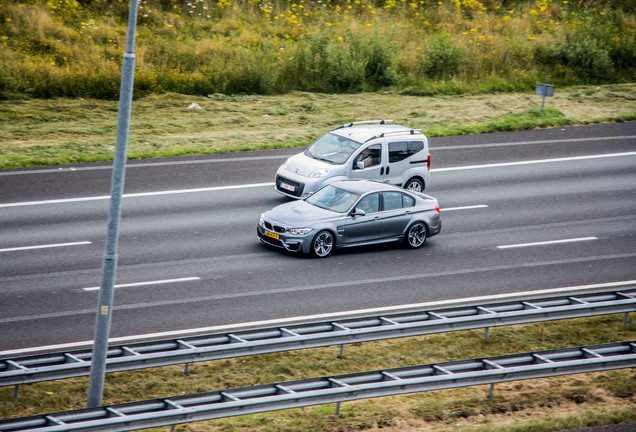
{"points": [[521, 211]]}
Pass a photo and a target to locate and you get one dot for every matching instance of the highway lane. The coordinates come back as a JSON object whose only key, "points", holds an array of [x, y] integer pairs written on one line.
{"points": [[200, 246]]}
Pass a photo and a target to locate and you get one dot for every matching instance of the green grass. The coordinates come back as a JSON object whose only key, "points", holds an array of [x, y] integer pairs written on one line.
{"points": [[548, 404], [67, 48], [36, 132]]}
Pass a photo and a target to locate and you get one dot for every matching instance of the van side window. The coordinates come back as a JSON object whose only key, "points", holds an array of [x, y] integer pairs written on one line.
{"points": [[370, 156], [400, 150]]}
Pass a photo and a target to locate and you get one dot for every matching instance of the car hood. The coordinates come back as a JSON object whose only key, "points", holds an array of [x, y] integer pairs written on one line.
{"points": [[304, 165], [300, 214]]}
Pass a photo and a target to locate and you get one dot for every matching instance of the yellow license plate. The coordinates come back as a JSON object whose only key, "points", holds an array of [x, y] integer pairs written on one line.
{"points": [[272, 235]]}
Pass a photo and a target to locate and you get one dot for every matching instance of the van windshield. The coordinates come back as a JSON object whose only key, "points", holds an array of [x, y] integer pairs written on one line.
{"points": [[332, 148]]}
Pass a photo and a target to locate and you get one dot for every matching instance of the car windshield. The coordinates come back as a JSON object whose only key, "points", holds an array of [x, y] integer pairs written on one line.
{"points": [[332, 148], [333, 198]]}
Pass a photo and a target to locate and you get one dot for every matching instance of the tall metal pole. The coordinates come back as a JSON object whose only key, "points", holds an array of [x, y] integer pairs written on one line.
{"points": [[109, 263]]}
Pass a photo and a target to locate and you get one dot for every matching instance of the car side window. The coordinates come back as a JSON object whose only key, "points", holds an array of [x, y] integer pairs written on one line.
{"points": [[392, 200], [408, 201], [370, 156], [370, 203], [401, 150]]}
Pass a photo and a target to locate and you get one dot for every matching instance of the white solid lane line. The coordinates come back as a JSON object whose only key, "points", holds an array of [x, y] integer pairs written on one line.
{"points": [[137, 195], [548, 242], [271, 184], [534, 162], [55, 245], [324, 316], [157, 282]]}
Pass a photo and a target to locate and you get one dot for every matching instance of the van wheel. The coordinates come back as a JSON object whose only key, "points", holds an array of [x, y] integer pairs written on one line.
{"points": [[416, 235], [415, 185], [322, 244]]}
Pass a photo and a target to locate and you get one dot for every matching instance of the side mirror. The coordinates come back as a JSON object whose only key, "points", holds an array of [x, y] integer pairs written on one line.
{"points": [[358, 212], [360, 165]]}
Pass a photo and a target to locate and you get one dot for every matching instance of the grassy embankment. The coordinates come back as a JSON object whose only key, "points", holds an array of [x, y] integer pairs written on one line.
{"points": [[341, 60], [541, 405], [68, 48], [70, 131]]}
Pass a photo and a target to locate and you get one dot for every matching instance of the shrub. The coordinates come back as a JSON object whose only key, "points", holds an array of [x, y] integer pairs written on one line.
{"points": [[441, 59], [577, 58]]}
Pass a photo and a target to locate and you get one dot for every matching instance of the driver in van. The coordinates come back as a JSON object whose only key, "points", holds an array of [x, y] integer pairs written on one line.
{"points": [[365, 157]]}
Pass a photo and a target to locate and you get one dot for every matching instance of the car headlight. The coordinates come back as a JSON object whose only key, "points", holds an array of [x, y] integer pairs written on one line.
{"points": [[300, 231], [320, 173], [261, 221]]}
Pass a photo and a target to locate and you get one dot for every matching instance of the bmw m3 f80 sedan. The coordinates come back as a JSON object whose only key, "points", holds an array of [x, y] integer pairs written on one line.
{"points": [[351, 213]]}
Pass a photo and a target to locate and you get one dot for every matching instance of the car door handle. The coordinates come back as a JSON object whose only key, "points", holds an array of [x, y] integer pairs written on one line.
{"points": [[387, 170]]}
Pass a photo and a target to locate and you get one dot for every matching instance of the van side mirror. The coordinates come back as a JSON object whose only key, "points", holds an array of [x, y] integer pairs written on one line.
{"points": [[359, 165]]}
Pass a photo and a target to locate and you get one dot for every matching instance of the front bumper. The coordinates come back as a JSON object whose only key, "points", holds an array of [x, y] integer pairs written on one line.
{"points": [[289, 242], [295, 186]]}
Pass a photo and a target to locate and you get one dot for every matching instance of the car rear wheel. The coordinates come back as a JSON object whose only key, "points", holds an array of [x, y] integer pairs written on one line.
{"points": [[323, 244], [415, 185], [416, 235]]}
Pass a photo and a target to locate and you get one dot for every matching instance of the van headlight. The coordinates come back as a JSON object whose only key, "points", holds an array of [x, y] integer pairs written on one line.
{"points": [[324, 172], [300, 231]]}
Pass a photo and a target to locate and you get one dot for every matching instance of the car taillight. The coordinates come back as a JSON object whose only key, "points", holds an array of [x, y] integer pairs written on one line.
{"points": [[428, 162], [436, 208]]}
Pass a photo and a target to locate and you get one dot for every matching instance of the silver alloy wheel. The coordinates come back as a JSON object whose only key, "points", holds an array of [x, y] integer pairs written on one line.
{"points": [[414, 185], [323, 244], [416, 235]]}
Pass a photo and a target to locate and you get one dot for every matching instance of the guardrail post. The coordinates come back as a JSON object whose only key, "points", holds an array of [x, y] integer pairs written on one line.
{"points": [[186, 369], [341, 351], [491, 390], [16, 391], [625, 319], [337, 409], [486, 333]]}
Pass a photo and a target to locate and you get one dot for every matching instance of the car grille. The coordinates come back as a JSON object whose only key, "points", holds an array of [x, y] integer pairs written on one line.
{"points": [[298, 187], [275, 228]]}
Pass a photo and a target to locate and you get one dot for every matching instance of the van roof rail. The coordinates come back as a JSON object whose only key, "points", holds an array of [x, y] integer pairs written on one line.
{"points": [[398, 132], [363, 122]]}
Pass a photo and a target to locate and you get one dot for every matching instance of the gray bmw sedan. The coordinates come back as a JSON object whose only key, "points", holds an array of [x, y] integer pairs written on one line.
{"points": [[351, 213]]}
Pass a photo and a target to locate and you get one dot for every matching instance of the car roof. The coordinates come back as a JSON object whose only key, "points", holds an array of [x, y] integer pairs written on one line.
{"points": [[363, 186], [365, 132]]}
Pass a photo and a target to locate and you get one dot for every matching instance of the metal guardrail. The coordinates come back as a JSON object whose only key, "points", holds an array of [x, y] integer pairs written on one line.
{"points": [[61, 365], [316, 391]]}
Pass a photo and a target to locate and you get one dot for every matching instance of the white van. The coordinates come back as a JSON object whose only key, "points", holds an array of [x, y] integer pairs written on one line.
{"points": [[374, 149]]}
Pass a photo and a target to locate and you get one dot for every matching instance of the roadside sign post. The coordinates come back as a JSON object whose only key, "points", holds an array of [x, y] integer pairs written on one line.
{"points": [[109, 263], [545, 90]]}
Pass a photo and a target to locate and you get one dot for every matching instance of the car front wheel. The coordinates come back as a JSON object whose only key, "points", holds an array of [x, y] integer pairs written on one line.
{"points": [[415, 185], [323, 244], [416, 235]]}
